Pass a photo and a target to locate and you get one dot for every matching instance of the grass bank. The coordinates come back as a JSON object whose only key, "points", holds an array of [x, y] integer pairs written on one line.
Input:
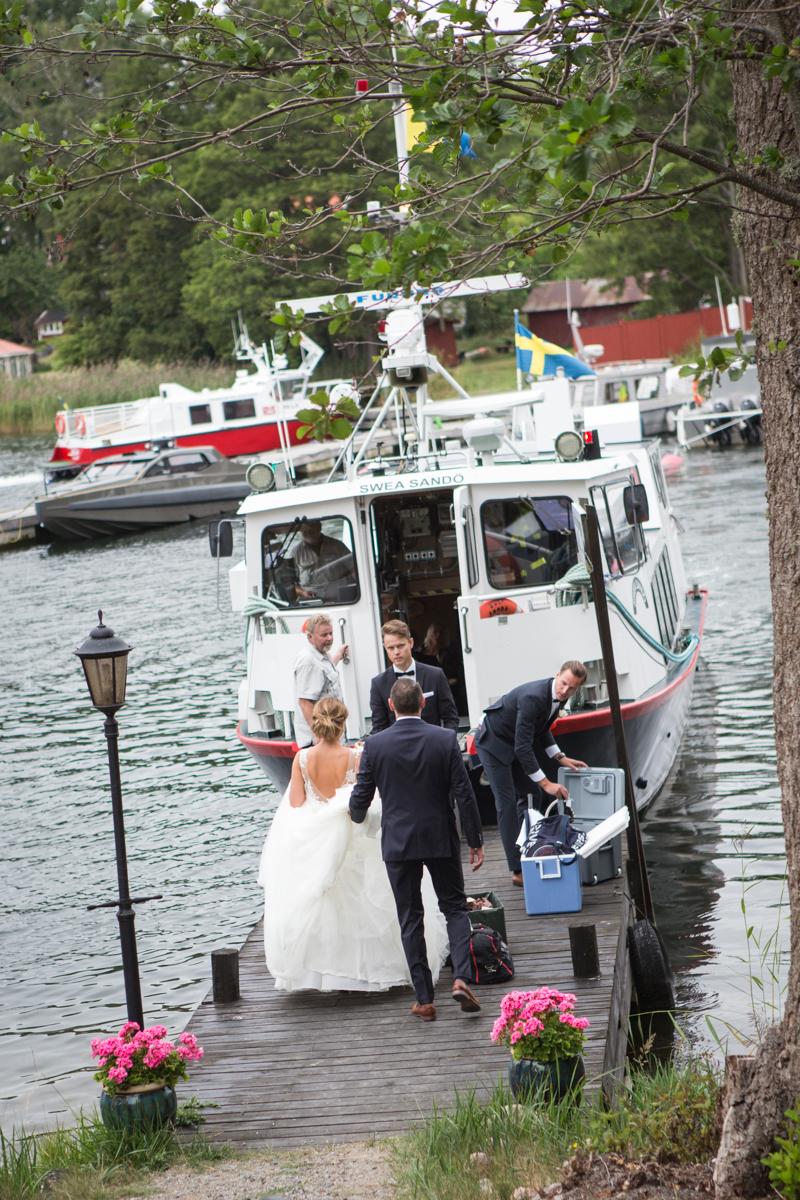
{"points": [[29, 405], [90, 1162], [479, 1150]]}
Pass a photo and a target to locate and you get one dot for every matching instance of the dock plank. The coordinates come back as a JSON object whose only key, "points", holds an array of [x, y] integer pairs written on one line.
{"points": [[311, 1068]]}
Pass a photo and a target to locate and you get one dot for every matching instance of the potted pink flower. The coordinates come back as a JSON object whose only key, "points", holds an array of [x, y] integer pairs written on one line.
{"points": [[545, 1039], [138, 1069]]}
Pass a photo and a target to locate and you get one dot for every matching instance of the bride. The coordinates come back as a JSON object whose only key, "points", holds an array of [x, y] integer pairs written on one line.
{"points": [[330, 921]]}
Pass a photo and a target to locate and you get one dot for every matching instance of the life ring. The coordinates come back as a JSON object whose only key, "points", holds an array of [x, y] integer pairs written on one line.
{"points": [[268, 410], [80, 425], [61, 424], [502, 607]]}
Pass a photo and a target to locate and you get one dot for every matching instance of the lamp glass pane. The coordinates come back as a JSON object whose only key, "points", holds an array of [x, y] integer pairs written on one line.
{"points": [[106, 679]]}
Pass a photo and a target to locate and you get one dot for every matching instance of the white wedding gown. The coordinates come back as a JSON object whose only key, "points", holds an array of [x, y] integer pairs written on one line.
{"points": [[330, 921]]}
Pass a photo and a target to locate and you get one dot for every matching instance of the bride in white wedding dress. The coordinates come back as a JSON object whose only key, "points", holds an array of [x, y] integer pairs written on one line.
{"points": [[330, 921]]}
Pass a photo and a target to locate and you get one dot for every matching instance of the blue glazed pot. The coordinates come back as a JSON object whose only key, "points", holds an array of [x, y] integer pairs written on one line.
{"points": [[149, 1107], [545, 1081]]}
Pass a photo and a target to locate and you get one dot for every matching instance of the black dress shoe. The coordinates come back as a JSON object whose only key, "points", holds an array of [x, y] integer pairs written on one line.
{"points": [[516, 878]]}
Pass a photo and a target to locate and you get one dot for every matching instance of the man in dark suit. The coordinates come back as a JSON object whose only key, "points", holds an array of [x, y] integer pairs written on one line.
{"points": [[515, 733], [416, 767], [439, 707]]}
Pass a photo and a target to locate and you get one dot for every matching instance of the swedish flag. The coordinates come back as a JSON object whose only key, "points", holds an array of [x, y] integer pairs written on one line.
{"points": [[537, 357]]}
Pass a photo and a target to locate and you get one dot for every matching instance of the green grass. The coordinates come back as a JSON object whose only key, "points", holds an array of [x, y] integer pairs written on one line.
{"points": [[669, 1111], [90, 1162], [495, 373], [29, 405]]}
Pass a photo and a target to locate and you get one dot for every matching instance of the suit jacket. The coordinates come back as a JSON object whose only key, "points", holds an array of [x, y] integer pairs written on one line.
{"points": [[416, 767], [516, 721], [440, 708]]}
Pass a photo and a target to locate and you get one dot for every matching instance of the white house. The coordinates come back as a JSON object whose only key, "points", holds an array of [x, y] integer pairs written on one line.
{"points": [[16, 360]]}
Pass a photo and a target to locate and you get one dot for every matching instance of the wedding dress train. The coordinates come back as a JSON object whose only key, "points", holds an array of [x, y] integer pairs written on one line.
{"points": [[330, 922]]}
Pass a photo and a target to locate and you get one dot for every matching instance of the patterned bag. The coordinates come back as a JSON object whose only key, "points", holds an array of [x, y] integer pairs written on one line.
{"points": [[490, 956]]}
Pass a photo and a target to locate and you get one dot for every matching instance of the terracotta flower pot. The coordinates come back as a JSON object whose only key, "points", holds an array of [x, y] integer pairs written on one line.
{"points": [[544, 1081], [143, 1106]]}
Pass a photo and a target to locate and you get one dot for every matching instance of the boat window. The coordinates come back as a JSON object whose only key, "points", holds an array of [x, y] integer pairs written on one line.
{"points": [[238, 410], [310, 563], [199, 414], [666, 599], [647, 387], [177, 463], [110, 472], [473, 573], [616, 391], [658, 474], [529, 541], [624, 544]]}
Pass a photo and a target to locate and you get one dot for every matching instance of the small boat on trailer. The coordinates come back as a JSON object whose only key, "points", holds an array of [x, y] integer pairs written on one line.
{"points": [[256, 414], [477, 528]]}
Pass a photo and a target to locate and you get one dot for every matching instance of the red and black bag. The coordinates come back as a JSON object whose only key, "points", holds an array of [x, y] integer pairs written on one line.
{"points": [[490, 956]]}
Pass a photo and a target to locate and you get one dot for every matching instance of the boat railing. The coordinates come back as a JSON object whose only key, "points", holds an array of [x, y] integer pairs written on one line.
{"points": [[104, 420]]}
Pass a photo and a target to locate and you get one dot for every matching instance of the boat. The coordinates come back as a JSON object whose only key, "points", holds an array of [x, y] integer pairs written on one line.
{"points": [[144, 490], [476, 527], [654, 384], [256, 414], [729, 414]]}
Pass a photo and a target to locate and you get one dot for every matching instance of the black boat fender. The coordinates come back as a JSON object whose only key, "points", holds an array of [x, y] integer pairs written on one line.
{"points": [[650, 967]]}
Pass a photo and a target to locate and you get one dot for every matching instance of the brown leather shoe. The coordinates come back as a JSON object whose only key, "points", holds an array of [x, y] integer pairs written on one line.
{"points": [[464, 995], [425, 1012], [516, 878]]}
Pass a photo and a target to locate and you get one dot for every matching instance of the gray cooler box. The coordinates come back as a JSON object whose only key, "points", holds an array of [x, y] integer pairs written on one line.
{"points": [[594, 794]]}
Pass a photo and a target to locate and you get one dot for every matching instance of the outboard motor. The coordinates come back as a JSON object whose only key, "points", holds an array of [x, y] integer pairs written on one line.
{"points": [[750, 427], [719, 431]]}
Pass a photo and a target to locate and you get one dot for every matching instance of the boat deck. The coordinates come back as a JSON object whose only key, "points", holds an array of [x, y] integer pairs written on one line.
{"points": [[311, 1068]]}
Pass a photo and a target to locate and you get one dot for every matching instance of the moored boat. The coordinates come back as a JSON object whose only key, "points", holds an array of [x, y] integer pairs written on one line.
{"points": [[477, 528], [256, 414], [130, 492]]}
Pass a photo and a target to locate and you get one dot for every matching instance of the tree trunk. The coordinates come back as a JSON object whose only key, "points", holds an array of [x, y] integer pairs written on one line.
{"points": [[758, 1091]]}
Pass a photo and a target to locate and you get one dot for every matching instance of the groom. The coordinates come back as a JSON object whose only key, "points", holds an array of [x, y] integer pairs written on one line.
{"points": [[416, 767]]}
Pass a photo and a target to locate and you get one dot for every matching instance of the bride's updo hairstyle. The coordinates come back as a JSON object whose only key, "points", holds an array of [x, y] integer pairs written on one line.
{"points": [[328, 719]]}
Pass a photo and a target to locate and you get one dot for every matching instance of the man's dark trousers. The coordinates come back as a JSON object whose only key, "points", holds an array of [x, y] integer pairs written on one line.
{"points": [[448, 883], [510, 788]]}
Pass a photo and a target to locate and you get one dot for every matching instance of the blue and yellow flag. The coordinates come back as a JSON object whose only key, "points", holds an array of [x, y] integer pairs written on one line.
{"points": [[537, 357]]}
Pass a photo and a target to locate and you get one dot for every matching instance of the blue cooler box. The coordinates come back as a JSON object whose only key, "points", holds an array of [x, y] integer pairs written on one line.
{"points": [[552, 884], [594, 794]]}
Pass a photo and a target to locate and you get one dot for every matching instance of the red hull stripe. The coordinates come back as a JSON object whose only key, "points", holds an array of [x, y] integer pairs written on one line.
{"points": [[272, 748], [564, 725], [635, 708], [244, 439]]}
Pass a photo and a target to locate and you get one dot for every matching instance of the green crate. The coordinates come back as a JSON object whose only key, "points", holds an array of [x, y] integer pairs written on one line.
{"points": [[494, 917]]}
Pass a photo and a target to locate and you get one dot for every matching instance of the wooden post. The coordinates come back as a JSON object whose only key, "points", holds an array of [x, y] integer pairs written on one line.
{"points": [[637, 875], [583, 948], [225, 975]]}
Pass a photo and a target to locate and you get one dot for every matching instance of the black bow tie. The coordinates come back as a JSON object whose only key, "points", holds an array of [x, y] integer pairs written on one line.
{"points": [[399, 673]]}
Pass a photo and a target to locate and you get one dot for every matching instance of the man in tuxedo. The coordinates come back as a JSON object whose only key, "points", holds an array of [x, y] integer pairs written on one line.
{"points": [[439, 707], [515, 733], [416, 767]]}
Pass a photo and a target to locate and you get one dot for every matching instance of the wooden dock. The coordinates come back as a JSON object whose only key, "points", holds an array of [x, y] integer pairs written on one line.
{"points": [[311, 1068]]}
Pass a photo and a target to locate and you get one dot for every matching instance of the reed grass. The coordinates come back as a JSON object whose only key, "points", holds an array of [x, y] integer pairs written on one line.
{"points": [[91, 1162], [29, 405], [669, 1111]]}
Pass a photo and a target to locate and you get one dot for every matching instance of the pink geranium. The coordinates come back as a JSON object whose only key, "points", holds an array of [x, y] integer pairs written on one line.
{"points": [[541, 1025], [136, 1056]]}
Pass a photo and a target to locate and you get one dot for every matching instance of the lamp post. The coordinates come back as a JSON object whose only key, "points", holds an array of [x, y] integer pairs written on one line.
{"points": [[104, 658]]}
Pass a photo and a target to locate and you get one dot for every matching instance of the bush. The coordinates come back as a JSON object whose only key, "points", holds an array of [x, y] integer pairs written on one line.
{"points": [[783, 1163]]}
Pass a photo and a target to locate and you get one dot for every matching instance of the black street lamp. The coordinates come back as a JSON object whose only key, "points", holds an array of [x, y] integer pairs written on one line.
{"points": [[105, 664]]}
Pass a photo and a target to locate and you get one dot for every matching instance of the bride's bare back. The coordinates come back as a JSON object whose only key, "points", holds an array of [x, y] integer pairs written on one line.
{"points": [[327, 765]]}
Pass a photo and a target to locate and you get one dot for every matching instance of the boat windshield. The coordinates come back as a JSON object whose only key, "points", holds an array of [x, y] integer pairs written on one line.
{"points": [[309, 563], [110, 471], [529, 541]]}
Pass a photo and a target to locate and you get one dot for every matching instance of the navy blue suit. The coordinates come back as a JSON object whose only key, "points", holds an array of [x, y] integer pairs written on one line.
{"points": [[515, 733], [440, 707], [417, 767]]}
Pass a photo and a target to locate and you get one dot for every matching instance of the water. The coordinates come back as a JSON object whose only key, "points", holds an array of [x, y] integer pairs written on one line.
{"points": [[197, 807]]}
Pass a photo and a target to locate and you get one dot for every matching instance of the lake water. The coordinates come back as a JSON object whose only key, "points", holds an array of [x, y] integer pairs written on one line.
{"points": [[197, 807]]}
